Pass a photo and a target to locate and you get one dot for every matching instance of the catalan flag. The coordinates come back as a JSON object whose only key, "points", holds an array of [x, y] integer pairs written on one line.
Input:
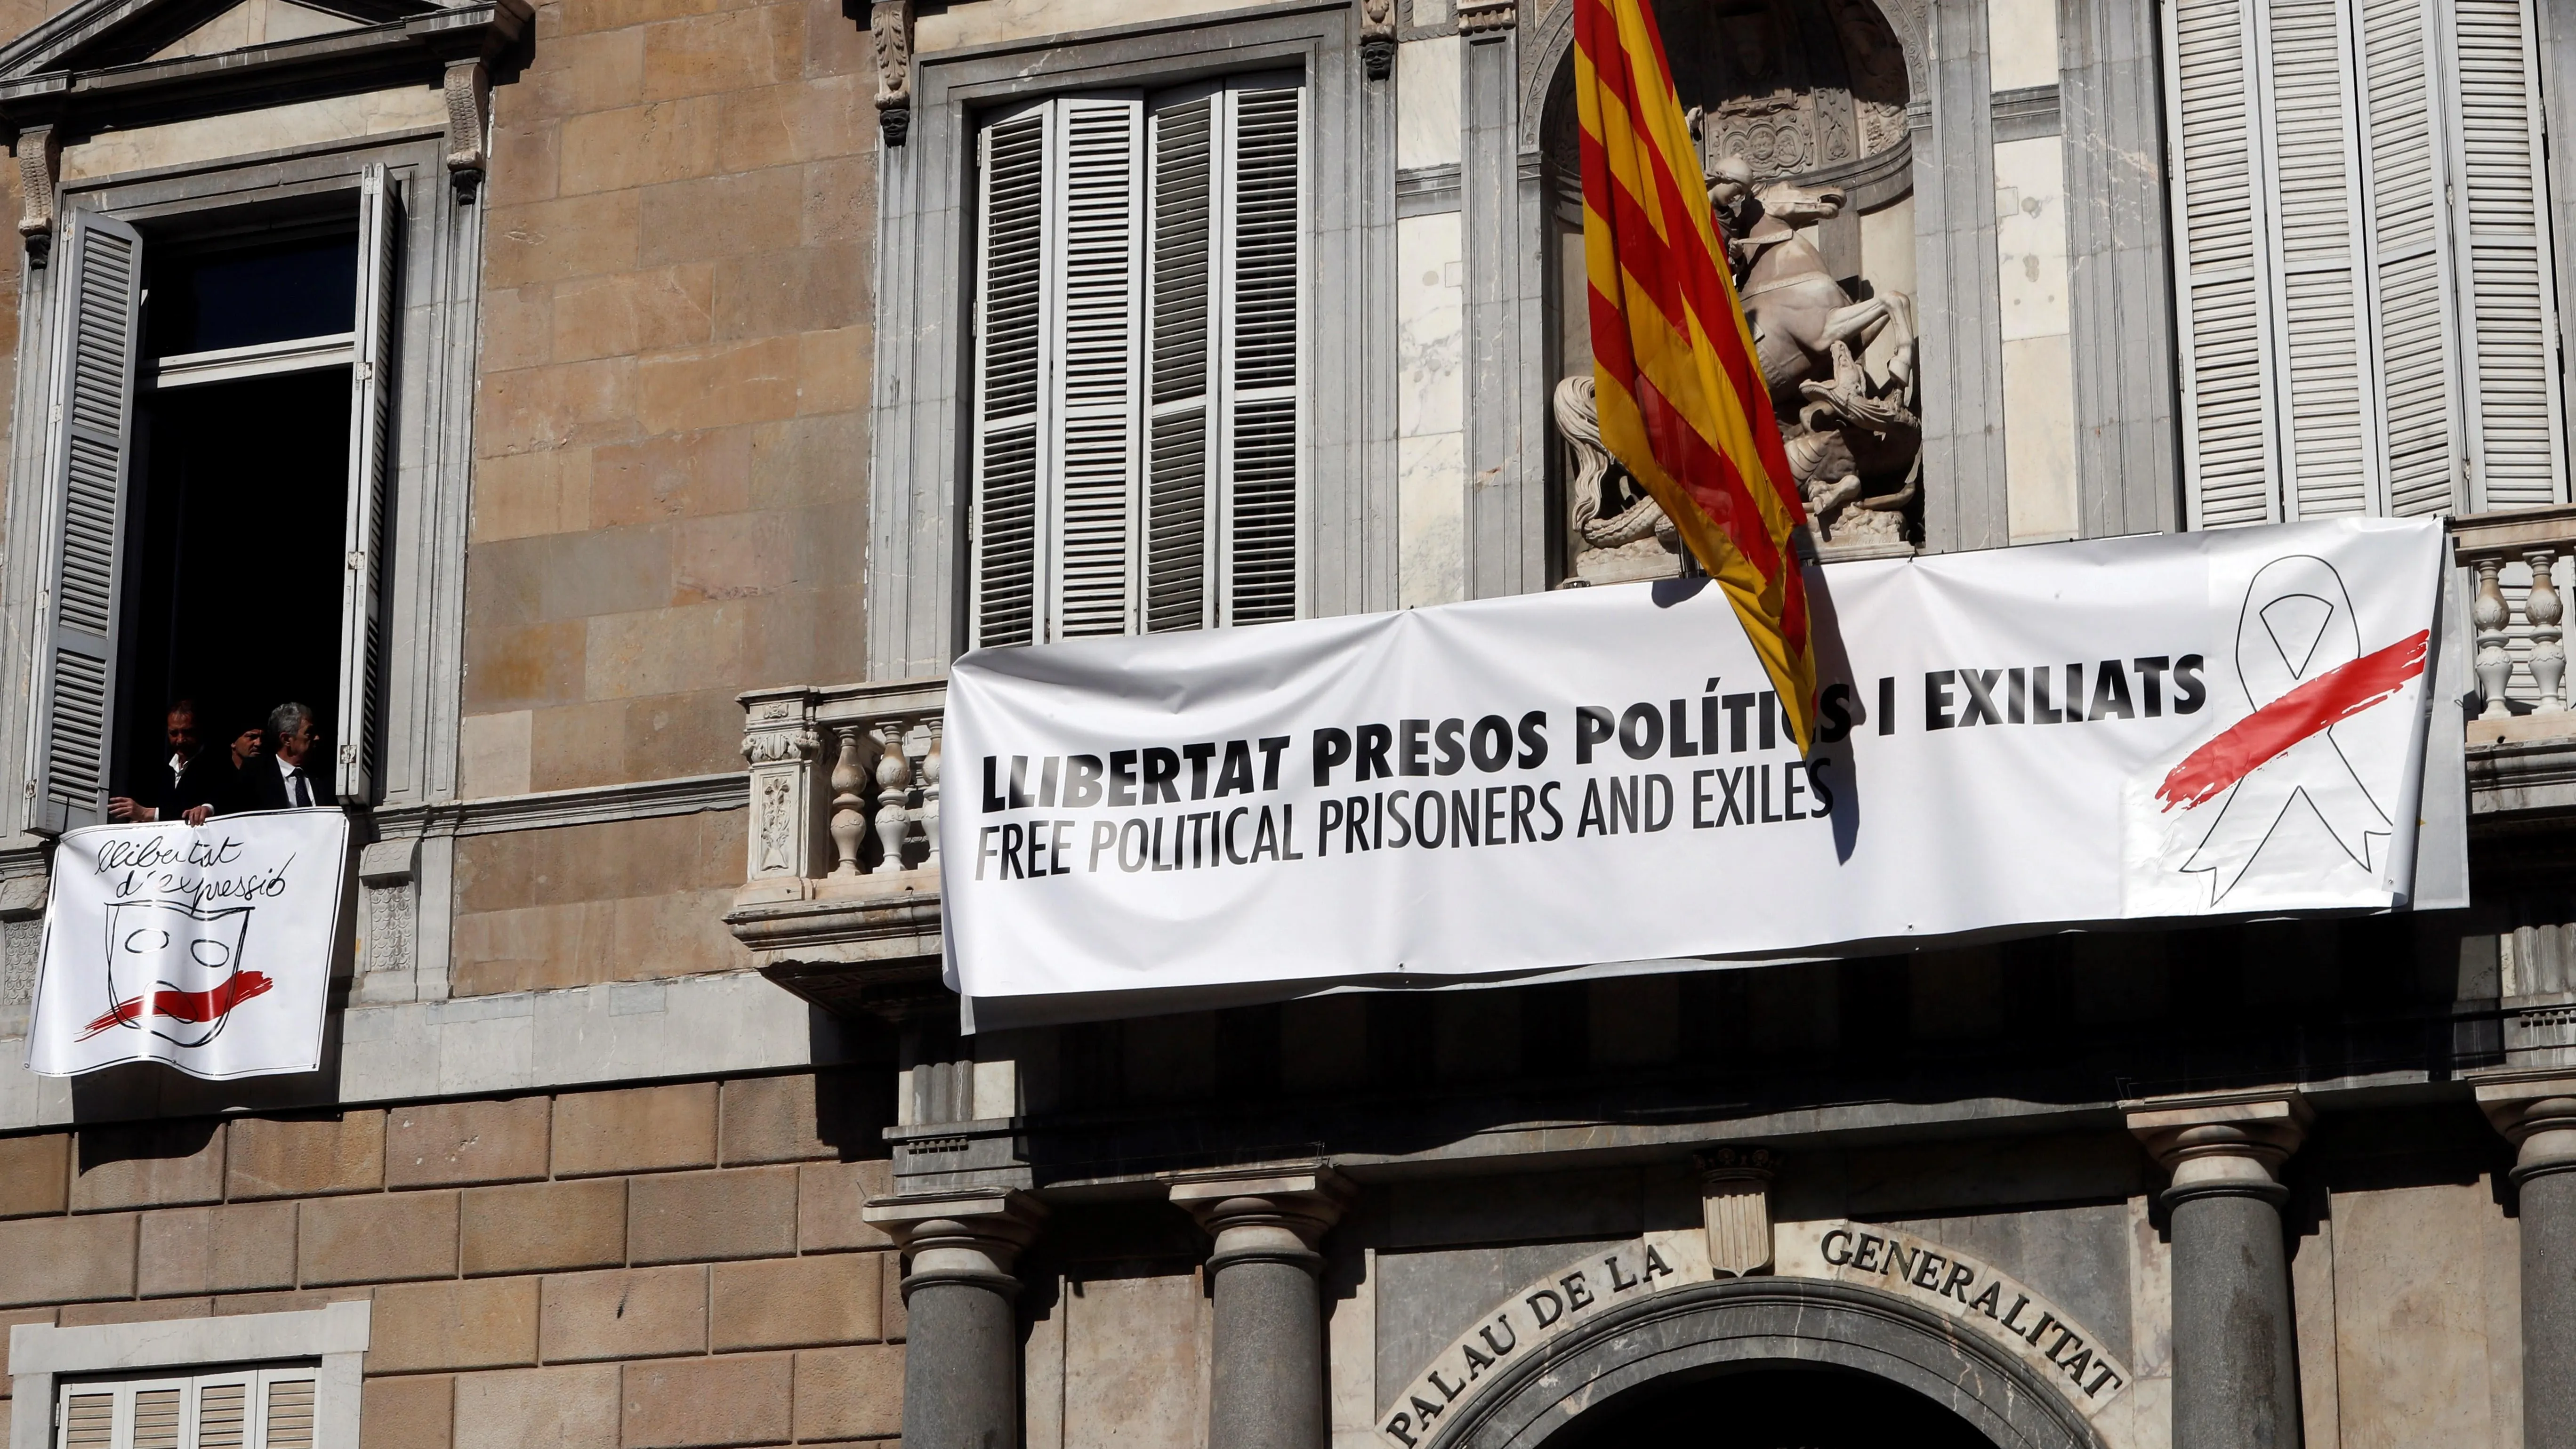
{"points": [[1682, 399]]}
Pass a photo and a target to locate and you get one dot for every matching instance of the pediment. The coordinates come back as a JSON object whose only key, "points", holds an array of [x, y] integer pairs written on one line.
{"points": [[97, 34]]}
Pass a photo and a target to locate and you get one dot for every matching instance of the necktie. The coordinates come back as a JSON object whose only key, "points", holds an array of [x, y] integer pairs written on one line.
{"points": [[303, 797]]}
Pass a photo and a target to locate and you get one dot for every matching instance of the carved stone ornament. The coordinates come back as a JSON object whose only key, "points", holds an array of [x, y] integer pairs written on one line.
{"points": [[1483, 17], [1798, 107], [40, 162], [1377, 38], [469, 113], [1735, 1199], [890, 26]]}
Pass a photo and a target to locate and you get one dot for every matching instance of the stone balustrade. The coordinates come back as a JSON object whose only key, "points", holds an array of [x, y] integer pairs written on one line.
{"points": [[2516, 621], [841, 880]]}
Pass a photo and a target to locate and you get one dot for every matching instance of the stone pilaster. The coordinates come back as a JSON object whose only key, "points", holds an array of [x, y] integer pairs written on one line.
{"points": [[2538, 1115], [961, 1377], [2235, 1346], [1266, 1386]]}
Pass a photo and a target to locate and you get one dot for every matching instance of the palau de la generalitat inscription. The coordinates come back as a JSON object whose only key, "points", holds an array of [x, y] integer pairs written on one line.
{"points": [[2035, 1330], [1961, 1288]]}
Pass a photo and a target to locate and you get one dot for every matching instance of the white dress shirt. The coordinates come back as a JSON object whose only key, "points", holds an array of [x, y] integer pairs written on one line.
{"points": [[288, 773]]}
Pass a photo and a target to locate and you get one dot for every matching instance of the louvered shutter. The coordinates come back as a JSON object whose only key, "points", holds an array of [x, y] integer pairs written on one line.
{"points": [[1140, 363], [224, 1413], [2328, 465], [2228, 466], [87, 1418], [371, 394], [92, 415], [1180, 516], [1009, 305], [1263, 362], [286, 1416], [2418, 345], [2516, 432], [1097, 312]]}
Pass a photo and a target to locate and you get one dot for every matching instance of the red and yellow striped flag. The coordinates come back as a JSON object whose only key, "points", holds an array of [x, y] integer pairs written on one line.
{"points": [[1682, 399]]}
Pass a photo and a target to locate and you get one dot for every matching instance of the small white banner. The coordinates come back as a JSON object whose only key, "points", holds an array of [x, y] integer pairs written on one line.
{"points": [[2204, 724], [209, 948]]}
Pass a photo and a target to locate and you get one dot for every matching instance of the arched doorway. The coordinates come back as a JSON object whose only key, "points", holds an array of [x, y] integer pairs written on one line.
{"points": [[1800, 1407], [1661, 1360]]}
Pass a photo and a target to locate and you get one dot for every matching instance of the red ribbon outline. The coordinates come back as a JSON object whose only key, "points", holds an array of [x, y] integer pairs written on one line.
{"points": [[2268, 733]]}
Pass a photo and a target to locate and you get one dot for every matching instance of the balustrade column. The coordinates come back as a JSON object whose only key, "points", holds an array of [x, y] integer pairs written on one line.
{"points": [[2539, 1118], [961, 1368], [1266, 1387], [2235, 1346]]}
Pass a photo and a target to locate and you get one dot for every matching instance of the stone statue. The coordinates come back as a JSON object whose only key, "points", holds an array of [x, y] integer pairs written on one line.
{"points": [[1841, 380]]}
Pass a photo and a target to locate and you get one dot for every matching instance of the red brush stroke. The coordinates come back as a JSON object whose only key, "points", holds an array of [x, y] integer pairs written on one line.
{"points": [[2321, 703], [192, 1006]]}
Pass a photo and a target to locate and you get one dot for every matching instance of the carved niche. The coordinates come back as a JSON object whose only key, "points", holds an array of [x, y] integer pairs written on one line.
{"points": [[1799, 109]]}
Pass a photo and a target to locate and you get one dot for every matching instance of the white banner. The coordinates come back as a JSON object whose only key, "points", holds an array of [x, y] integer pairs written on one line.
{"points": [[209, 948], [2208, 724]]}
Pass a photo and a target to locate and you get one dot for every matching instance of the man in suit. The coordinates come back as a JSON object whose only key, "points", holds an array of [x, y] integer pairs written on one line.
{"points": [[181, 789], [221, 781], [286, 778]]}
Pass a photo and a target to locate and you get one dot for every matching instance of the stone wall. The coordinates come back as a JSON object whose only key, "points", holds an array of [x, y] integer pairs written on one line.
{"points": [[628, 901], [671, 431], [658, 1266]]}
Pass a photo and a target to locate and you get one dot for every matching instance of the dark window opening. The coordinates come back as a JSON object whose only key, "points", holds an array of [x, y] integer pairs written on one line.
{"points": [[234, 574], [211, 299], [237, 505]]}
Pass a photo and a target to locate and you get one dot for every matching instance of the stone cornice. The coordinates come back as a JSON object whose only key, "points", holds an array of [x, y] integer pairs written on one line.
{"points": [[417, 49]]}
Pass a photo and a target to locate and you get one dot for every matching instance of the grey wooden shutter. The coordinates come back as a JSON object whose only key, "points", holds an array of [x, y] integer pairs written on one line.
{"points": [[2510, 338], [2328, 462], [2411, 265], [1009, 305], [286, 1413], [96, 308], [1180, 516], [2228, 465], [87, 1418], [1097, 317], [1264, 350], [371, 393]]}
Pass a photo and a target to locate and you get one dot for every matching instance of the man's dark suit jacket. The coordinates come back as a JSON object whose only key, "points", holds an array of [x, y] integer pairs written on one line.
{"points": [[267, 788], [212, 780]]}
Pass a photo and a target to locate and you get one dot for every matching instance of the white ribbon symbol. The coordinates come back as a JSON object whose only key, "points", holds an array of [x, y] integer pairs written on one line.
{"points": [[2298, 627]]}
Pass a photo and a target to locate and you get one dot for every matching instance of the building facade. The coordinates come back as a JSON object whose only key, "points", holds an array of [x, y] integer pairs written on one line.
{"points": [[612, 416]]}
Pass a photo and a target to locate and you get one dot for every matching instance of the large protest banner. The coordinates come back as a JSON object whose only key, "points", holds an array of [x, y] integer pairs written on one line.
{"points": [[209, 948], [2196, 725]]}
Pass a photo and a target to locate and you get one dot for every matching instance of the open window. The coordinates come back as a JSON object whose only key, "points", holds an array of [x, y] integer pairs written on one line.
{"points": [[219, 452], [1140, 362]]}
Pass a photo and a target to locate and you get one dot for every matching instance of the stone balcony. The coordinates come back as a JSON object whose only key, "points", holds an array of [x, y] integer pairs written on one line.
{"points": [[840, 901], [840, 897]]}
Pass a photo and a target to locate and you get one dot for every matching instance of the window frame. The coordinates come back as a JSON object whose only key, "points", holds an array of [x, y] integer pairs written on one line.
{"points": [[919, 562], [43, 1358], [420, 592]]}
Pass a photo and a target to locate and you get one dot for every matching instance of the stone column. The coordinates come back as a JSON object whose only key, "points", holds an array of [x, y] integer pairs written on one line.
{"points": [[2235, 1348], [2539, 1116], [1266, 1387], [961, 1369]]}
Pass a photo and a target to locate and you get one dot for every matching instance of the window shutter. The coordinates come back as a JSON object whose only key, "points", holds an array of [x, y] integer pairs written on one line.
{"points": [[2328, 465], [2516, 433], [96, 307], [371, 393], [287, 1417], [1264, 351], [2227, 457], [223, 1414], [88, 1419], [1098, 311], [1179, 517], [1009, 306], [2418, 346]]}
